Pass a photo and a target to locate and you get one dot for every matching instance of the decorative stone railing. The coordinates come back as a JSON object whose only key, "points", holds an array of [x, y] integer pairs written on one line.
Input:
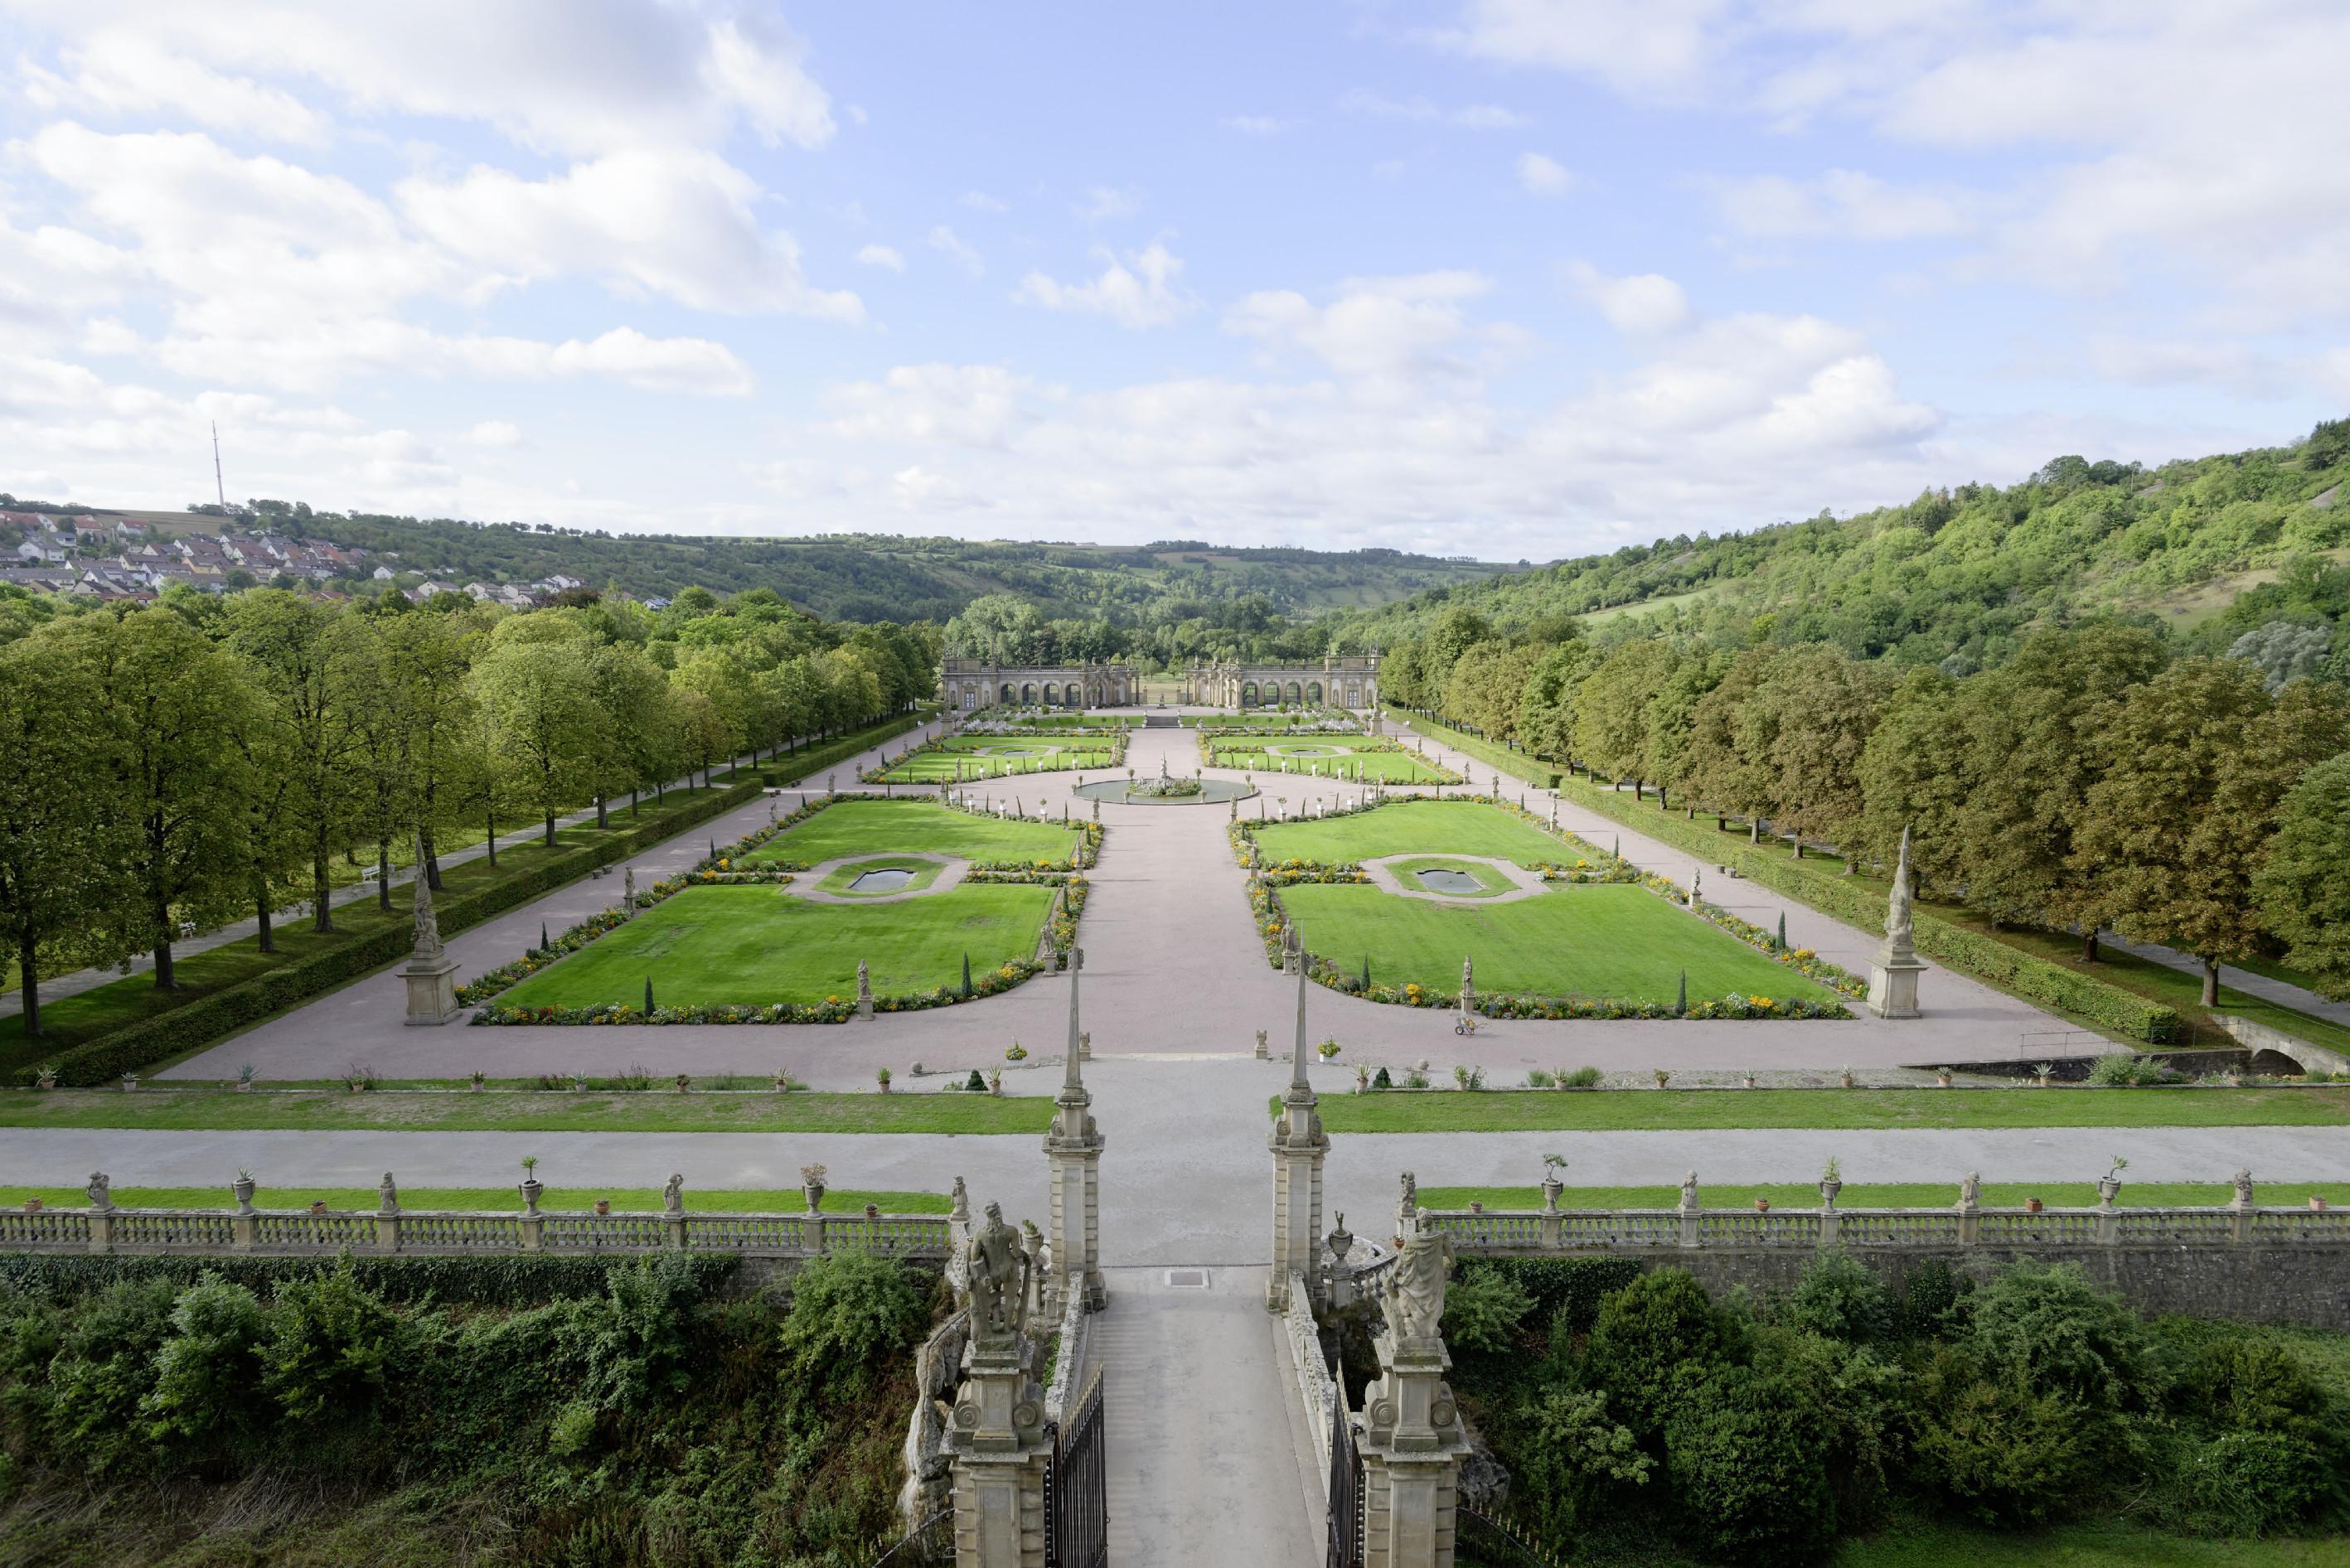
{"points": [[1069, 1359], [1317, 1389], [1500, 1233], [434, 1232]]}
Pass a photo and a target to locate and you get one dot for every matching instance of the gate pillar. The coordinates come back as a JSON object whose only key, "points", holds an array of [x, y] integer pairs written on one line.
{"points": [[998, 1441], [1072, 1149], [1412, 1444], [1298, 1145]]}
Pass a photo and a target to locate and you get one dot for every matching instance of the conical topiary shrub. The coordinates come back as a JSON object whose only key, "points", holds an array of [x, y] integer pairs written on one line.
{"points": [[1680, 1002], [649, 996], [1783, 930], [966, 974], [975, 1084]]}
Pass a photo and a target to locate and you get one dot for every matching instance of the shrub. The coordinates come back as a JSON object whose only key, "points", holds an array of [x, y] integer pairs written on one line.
{"points": [[1581, 1078], [1929, 1295], [1652, 1341], [1483, 1310], [1746, 1471], [850, 1310], [1571, 1451], [208, 1372], [103, 1370], [1840, 1297], [2242, 1483], [2002, 1452], [331, 1343], [2043, 1327]]}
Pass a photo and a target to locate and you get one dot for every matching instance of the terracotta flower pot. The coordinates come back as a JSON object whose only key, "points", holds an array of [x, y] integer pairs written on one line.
{"points": [[2031, 1206], [32, 1206], [603, 1206], [1762, 1206], [2316, 1204], [318, 1206]]}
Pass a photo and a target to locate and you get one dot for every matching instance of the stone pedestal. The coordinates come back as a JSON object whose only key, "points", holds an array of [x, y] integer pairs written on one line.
{"points": [[1299, 1145], [1892, 983], [1073, 1148], [1412, 1445], [431, 987], [999, 1451]]}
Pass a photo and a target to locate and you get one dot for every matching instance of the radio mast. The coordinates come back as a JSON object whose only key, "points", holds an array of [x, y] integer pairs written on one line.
{"points": [[219, 489]]}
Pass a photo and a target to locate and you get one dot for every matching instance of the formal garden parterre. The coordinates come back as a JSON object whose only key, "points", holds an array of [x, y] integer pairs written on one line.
{"points": [[1364, 758], [728, 941], [1612, 942], [969, 758]]}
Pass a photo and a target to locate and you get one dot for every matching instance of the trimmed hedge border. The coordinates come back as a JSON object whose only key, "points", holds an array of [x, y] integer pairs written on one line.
{"points": [[776, 772], [200, 1024], [1969, 952], [481, 1282], [1524, 763]]}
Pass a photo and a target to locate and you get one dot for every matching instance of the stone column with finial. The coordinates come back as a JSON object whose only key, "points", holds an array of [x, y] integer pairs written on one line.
{"points": [[996, 1438], [431, 973], [1468, 986], [1299, 1145], [1893, 973], [1412, 1440], [1072, 1146]]}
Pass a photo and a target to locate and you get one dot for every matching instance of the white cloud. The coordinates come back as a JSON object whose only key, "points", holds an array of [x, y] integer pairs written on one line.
{"points": [[1254, 124], [1424, 111], [949, 244], [1379, 333], [1842, 203], [1646, 303], [881, 256], [1543, 176], [494, 433], [124, 74], [674, 222], [753, 65], [1643, 46], [981, 201], [1138, 291], [1104, 204]]}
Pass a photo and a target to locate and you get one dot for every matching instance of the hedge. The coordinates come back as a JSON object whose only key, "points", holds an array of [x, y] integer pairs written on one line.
{"points": [[793, 767], [1525, 764], [507, 1282], [1970, 952], [200, 1024]]}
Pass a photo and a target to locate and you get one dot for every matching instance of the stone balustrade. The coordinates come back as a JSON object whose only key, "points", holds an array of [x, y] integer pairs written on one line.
{"points": [[1524, 1232], [422, 1232]]}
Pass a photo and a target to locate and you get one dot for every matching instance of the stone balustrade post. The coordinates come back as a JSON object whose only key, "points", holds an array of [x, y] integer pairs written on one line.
{"points": [[1412, 1442], [102, 1230], [2239, 1208], [1827, 1225], [534, 1232], [387, 1232], [245, 1231], [2108, 1229], [812, 1234]]}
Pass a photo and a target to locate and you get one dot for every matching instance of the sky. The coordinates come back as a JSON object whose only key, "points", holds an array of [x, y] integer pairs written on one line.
{"points": [[1504, 278]]}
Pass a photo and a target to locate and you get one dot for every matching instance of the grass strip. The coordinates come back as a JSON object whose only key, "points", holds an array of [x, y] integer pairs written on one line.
{"points": [[495, 1200], [1542, 1110], [2101, 1543], [209, 1109], [1890, 1195]]}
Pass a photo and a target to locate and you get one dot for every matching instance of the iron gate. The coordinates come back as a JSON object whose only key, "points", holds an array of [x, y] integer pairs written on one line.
{"points": [[1076, 1510], [1346, 1490]]}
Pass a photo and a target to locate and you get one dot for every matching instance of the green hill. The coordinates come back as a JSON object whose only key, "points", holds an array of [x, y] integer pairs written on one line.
{"points": [[2210, 548]]}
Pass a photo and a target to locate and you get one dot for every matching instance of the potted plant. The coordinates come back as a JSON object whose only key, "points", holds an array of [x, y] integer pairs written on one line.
{"points": [[603, 1206], [1847, 1079], [1018, 1052], [1663, 1077], [32, 1206], [242, 1188], [995, 1080], [1476, 1206], [1327, 1049], [812, 1185], [244, 1079], [2109, 1186], [130, 1082], [1831, 1182], [684, 1082], [1942, 1076], [784, 1080], [1362, 1077], [532, 1188], [2042, 1072], [48, 1076], [478, 1078], [2316, 1204], [1552, 1183], [1749, 1079], [873, 1212], [318, 1206], [578, 1083], [882, 1076], [2031, 1206], [1762, 1206]]}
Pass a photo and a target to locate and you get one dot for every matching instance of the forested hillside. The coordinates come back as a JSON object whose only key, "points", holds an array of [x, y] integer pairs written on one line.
{"points": [[2207, 549]]}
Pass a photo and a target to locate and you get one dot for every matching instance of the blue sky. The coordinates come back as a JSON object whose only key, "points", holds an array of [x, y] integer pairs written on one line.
{"points": [[1514, 279]]}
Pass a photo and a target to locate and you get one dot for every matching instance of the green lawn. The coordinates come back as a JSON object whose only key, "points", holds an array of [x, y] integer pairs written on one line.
{"points": [[1415, 827], [995, 756], [1328, 757], [623, 1199], [1608, 941], [1489, 882], [2105, 1543], [1528, 1110], [1890, 1195], [753, 945], [893, 828], [844, 880], [67, 1022], [921, 1105]]}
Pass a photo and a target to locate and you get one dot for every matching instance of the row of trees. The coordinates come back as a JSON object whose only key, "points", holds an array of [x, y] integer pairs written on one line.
{"points": [[190, 760], [2093, 780]]}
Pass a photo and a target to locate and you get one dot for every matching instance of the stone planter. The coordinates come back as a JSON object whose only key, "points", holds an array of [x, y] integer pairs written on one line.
{"points": [[1942, 1079], [1762, 1206], [2108, 1189], [318, 1206], [1476, 1207], [532, 1190], [1828, 1191], [1749, 1080], [2316, 1204], [1847, 1080], [873, 1212], [2031, 1206], [1551, 1188], [242, 1188], [245, 1085], [49, 1080], [603, 1206], [32, 1206], [814, 1193]]}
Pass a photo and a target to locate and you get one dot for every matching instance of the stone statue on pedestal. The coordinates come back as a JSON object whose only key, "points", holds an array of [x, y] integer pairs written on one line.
{"points": [[1893, 973], [673, 1195], [999, 1281], [387, 1195], [429, 972], [1414, 1301]]}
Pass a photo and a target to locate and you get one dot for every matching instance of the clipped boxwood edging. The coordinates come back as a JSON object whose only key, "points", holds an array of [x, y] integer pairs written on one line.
{"points": [[1969, 952], [202, 1023]]}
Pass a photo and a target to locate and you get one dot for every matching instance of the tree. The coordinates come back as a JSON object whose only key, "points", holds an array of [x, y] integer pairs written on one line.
{"points": [[58, 809], [1818, 707], [1672, 714], [544, 718], [1546, 704], [1914, 775], [2029, 765], [2304, 896], [1611, 708], [425, 663], [2195, 764], [297, 653], [174, 705], [1718, 767], [632, 735]]}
